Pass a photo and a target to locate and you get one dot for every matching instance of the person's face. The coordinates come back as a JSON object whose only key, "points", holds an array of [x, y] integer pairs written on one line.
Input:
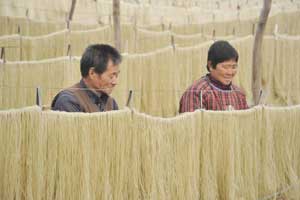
{"points": [[106, 81], [225, 71]]}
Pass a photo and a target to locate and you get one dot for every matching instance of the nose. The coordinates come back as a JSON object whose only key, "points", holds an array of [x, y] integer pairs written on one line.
{"points": [[114, 81], [231, 71]]}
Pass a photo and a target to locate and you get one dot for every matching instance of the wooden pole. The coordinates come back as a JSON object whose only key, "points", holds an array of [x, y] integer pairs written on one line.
{"points": [[27, 13], [117, 25], [69, 51], [253, 28], [38, 96], [21, 42], [173, 42], [2, 55], [257, 51], [71, 13], [214, 35], [170, 26], [129, 99]]}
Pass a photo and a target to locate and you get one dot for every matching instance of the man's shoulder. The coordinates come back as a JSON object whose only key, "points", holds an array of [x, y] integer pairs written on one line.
{"points": [[66, 94], [65, 100]]}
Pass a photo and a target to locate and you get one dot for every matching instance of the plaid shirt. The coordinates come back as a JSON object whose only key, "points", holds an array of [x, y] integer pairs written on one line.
{"points": [[214, 96]]}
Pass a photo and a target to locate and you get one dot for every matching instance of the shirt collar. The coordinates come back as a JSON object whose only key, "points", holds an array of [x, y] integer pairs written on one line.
{"points": [[218, 84], [95, 95]]}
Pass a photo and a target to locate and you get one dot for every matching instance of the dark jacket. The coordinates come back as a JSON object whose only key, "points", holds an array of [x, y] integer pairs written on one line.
{"points": [[78, 98]]}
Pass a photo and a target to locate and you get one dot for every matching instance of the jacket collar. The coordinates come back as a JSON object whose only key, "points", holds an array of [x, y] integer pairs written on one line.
{"points": [[95, 95]]}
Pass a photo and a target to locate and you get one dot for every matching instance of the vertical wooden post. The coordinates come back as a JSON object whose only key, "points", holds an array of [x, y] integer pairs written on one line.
{"points": [[27, 13], [275, 32], [38, 96], [19, 29], [162, 26], [173, 42], [2, 55], [129, 99], [117, 24], [253, 29], [257, 51], [218, 5], [238, 12], [170, 26], [21, 43], [69, 51], [71, 13]]}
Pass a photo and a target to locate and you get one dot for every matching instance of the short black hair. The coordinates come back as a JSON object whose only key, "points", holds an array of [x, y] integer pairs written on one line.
{"points": [[97, 56], [221, 51]]}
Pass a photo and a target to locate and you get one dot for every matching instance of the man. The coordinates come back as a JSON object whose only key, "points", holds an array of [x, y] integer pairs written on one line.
{"points": [[215, 90], [99, 66]]}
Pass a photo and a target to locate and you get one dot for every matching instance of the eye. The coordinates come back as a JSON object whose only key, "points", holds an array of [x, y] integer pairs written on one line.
{"points": [[116, 74], [234, 66]]}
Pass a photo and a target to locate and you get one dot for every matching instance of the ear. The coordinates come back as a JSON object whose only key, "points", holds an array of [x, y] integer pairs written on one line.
{"points": [[92, 73], [209, 64]]}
